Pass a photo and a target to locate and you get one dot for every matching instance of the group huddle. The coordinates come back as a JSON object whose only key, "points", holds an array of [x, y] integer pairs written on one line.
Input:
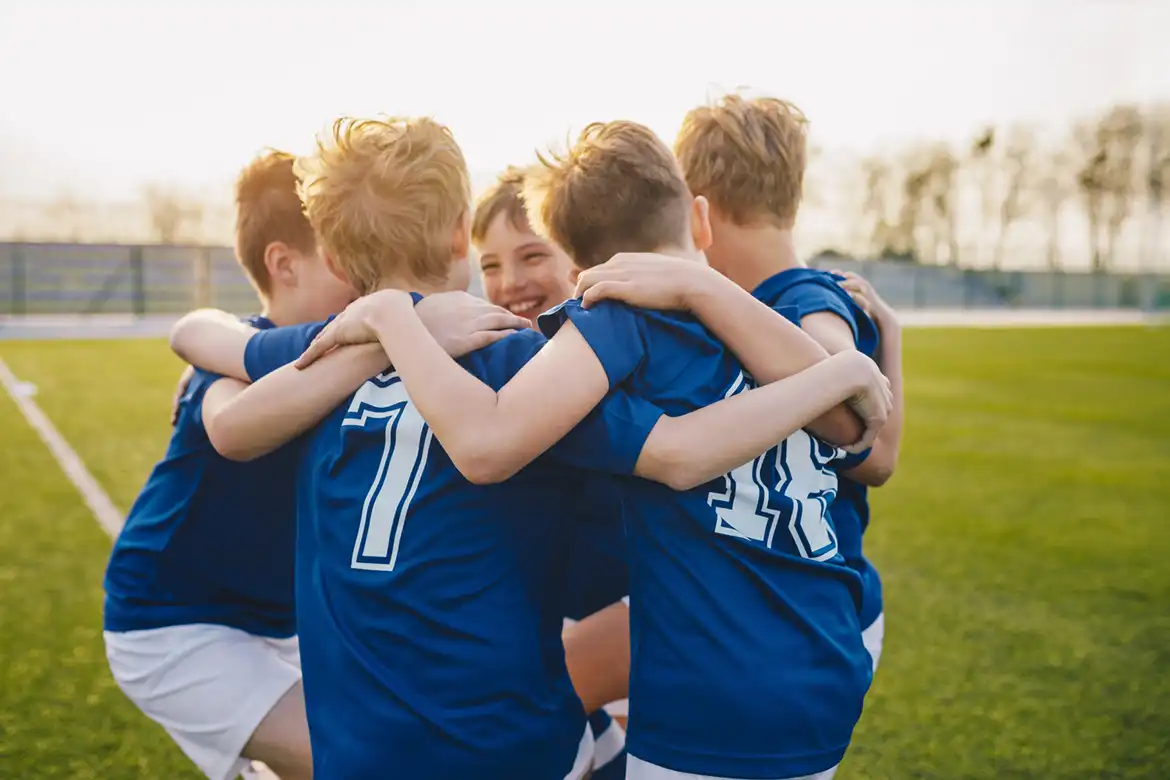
{"points": [[403, 532]]}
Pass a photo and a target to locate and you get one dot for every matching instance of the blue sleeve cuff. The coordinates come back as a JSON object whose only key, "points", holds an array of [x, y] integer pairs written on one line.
{"points": [[816, 298], [271, 349], [610, 439], [610, 329], [853, 461]]}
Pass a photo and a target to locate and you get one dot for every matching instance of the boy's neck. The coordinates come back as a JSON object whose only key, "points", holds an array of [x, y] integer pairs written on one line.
{"points": [[750, 254], [280, 312], [407, 284]]}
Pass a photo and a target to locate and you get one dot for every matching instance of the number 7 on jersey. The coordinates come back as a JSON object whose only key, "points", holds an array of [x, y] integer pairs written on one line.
{"points": [[383, 401]]}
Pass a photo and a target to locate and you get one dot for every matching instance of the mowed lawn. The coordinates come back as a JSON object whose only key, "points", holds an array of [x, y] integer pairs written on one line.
{"points": [[1024, 547]]}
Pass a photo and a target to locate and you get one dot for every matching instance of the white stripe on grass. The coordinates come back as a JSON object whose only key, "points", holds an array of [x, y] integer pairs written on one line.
{"points": [[98, 501]]}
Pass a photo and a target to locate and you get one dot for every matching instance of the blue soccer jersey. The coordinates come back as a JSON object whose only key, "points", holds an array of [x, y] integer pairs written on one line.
{"points": [[190, 551], [598, 574], [746, 651], [430, 634], [811, 291]]}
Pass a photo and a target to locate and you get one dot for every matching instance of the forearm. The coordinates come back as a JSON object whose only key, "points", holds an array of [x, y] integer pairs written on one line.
{"points": [[488, 435], [876, 469], [212, 340], [771, 348], [686, 451], [289, 401]]}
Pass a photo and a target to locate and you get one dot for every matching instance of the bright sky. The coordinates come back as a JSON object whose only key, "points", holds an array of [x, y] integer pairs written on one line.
{"points": [[98, 98]]}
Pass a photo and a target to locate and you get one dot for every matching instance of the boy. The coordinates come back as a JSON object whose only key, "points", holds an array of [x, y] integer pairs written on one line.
{"points": [[747, 157], [527, 274], [747, 659], [430, 638], [200, 630]]}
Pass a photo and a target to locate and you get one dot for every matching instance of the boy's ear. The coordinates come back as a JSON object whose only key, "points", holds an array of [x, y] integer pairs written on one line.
{"points": [[279, 262], [333, 269], [461, 238], [701, 223]]}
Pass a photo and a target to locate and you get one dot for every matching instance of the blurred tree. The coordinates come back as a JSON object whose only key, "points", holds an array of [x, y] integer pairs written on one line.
{"points": [[982, 165], [66, 214], [1016, 160], [1107, 177], [1055, 184], [1157, 176], [943, 167], [170, 212]]}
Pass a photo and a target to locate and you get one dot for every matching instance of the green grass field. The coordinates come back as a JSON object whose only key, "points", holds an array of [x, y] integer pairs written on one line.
{"points": [[1024, 546]]}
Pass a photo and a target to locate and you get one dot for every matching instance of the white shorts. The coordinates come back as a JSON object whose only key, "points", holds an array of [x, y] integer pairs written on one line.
{"points": [[873, 636], [637, 769], [209, 686], [583, 764]]}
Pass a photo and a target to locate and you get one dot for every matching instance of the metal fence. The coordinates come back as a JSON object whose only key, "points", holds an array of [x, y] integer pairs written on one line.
{"points": [[150, 280]]}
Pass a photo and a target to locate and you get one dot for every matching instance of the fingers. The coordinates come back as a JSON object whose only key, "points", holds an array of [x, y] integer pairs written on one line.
{"points": [[604, 291], [501, 319], [483, 338], [321, 344]]}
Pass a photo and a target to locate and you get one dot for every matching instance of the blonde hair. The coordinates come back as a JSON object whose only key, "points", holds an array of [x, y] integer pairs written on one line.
{"points": [[268, 210], [385, 197], [504, 197], [618, 189], [747, 156]]}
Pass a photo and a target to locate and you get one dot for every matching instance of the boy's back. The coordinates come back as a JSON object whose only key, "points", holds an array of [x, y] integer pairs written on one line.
{"points": [[746, 654], [431, 641], [198, 507]]}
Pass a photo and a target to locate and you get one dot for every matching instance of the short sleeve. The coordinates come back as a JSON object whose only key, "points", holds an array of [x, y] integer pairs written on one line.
{"points": [[269, 350], [852, 461], [819, 294], [192, 401], [611, 437], [610, 329], [790, 313]]}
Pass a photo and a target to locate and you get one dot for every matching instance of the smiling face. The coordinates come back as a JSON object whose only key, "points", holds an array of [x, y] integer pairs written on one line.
{"points": [[521, 271]]}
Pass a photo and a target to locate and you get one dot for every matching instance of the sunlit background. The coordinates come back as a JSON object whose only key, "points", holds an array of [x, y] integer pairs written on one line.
{"points": [[127, 120]]}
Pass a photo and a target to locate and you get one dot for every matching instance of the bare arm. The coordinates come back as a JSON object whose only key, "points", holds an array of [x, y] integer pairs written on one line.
{"points": [[212, 340], [771, 348], [767, 345], [597, 654], [245, 422], [489, 436], [877, 469], [686, 451]]}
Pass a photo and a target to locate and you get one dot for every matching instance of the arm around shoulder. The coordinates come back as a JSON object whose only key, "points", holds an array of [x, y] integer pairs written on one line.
{"points": [[212, 340]]}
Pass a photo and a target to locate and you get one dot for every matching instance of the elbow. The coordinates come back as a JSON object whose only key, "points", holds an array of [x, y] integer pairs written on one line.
{"points": [[880, 476], [683, 477], [230, 446], [673, 466], [839, 427], [878, 468], [179, 338], [481, 465], [884, 469]]}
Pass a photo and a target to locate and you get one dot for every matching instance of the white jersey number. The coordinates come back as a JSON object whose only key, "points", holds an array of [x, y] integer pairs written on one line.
{"points": [[794, 469], [383, 401]]}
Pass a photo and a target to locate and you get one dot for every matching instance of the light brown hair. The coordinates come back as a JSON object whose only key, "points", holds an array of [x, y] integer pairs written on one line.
{"points": [[385, 197], [747, 157], [504, 197], [268, 210], [618, 189]]}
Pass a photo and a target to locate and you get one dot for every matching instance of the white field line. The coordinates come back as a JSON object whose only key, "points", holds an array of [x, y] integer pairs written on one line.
{"points": [[98, 501]]}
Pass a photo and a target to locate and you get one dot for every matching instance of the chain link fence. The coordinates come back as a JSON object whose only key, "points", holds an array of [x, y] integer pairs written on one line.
{"points": [[86, 279]]}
